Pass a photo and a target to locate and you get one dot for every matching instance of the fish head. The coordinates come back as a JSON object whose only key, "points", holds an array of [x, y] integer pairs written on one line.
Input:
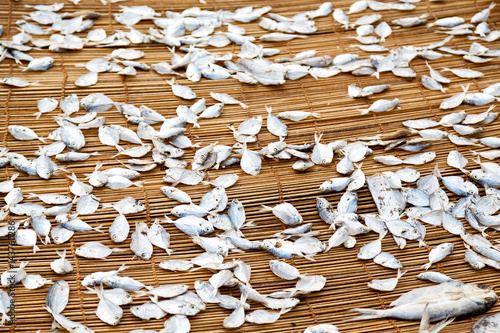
{"points": [[322, 202], [480, 294]]}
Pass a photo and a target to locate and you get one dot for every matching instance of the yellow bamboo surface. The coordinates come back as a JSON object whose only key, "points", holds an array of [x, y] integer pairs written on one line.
{"points": [[347, 276]]}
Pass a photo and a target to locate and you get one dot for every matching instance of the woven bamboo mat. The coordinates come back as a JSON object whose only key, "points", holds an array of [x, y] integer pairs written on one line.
{"points": [[278, 182]]}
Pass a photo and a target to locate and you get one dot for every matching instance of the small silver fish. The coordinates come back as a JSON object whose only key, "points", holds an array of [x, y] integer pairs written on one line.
{"points": [[17, 82], [181, 91], [58, 296], [23, 133], [96, 102], [385, 284], [286, 213], [61, 265], [95, 250], [381, 105], [438, 253]]}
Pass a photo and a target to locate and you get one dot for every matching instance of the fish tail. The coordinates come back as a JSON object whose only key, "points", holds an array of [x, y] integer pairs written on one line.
{"points": [[153, 298], [243, 105], [118, 249], [37, 114], [364, 111], [122, 268], [436, 171], [315, 114], [139, 183], [49, 310], [62, 255], [140, 293], [167, 219], [105, 205], [426, 266], [169, 251], [439, 326], [98, 229], [248, 224], [47, 240], [367, 314], [99, 290], [3, 212], [265, 208], [35, 249]]}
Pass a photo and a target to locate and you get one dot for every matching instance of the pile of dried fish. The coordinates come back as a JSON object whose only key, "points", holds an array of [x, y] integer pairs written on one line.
{"points": [[217, 223]]}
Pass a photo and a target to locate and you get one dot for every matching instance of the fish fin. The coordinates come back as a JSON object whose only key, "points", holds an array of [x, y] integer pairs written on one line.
{"points": [[73, 177], [424, 323], [35, 249], [89, 290], [167, 219], [436, 171], [98, 228], [285, 310], [37, 114], [140, 293], [309, 257], [139, 183], [171, 82], [265, 208], [169, 251], [49, 310], [364, 111], [439, 326], [118, 249], [47, 239], [23, 264], [99, 290], [62, 255], [249, 224], [367, 314], [122, 268], [196, 125], [154, 298], [3, 212], [243, 105]]}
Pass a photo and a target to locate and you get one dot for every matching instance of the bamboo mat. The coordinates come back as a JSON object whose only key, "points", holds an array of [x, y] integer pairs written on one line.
{"points": [[278, 182]]}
